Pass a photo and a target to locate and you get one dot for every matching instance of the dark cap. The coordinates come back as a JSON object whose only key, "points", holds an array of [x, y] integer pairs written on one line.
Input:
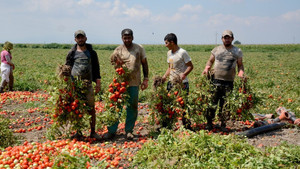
{"points": [[127, 32], [79, 32]]}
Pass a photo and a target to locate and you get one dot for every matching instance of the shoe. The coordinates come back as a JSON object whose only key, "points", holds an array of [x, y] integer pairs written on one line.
{"points": [[209, 126], [187, 124], [223, 127], [108, 136], [129, 136], [77, 136], [96, 136]]}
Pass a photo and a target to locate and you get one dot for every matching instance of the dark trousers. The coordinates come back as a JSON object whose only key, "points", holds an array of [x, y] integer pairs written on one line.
{"points": [[222, 88]]}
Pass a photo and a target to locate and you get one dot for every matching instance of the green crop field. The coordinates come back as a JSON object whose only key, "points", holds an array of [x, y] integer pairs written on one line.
{"points": [[28, 127], [274, 70]]}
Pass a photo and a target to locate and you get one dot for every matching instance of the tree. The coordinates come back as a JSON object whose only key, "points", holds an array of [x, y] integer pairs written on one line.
{"points": [[237, 42]]}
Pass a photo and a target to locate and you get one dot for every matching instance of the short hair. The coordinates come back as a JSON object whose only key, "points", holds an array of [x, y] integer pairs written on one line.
{"points": [[171, 37]]}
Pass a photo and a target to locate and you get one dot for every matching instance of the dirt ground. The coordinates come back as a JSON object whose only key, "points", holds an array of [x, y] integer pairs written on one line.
{"points": [[31, 125], [289, 133]]}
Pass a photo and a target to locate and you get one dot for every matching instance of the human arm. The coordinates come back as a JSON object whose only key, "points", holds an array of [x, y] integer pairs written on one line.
{"points": [[95, 66], [98, 86], [144, 85], [164, 78], [190, 67], [209, 64], [240, 67], [70, 58], [9, 61]]}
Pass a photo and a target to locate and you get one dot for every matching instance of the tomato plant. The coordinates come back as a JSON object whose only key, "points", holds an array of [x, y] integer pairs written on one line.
{"points": [[115, 98], [68, 105]]}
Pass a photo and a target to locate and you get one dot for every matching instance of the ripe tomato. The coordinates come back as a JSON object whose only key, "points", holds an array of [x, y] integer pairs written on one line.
{"points": [[111, 90], [179, 99], [122, 89], [123, 84]]}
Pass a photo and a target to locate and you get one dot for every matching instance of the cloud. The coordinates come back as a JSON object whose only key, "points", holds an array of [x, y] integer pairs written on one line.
{"points": [[47, 5], [85, 2], [292, 16], [137, 13], [187, 8], [220, 20], [185, 13]]}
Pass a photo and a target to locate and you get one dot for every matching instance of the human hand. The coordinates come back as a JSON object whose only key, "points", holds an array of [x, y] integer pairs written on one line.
{"points": [[163, 79], [241, 74], [98, 86], [182, 76], [206, 70], [144, 85], [97, 89]]}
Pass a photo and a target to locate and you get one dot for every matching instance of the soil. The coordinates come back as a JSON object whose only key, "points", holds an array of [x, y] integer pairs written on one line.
{"points": [[289, 133]]}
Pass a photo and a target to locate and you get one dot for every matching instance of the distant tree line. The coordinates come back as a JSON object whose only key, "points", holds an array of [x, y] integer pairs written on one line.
{"points": [[159, 47]]}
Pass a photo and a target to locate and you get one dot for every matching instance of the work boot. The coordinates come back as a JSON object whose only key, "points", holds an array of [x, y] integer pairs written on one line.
{"points": [[96, 136], [78, 136], [108, 136], [129, 136], [223, 127], [209, 126], [187, 124]]}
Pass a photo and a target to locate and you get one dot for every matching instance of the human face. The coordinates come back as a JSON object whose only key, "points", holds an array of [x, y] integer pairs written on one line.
{"points": [[80, 40], [127, 40], [227, 40], [168, 44]]}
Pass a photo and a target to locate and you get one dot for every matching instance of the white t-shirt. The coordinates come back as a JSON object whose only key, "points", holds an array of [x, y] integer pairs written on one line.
{"points": [[177, 62]]}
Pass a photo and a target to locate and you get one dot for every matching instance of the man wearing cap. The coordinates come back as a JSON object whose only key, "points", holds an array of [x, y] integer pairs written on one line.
{"points": [[132, 56], [225, 57], [84, 64]]}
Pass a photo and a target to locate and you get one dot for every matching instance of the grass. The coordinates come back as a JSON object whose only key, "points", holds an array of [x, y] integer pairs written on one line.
{"points": [[273, 70]]}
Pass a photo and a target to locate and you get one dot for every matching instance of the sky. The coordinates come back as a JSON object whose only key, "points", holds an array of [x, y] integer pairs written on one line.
{"points": [[193, 21]]}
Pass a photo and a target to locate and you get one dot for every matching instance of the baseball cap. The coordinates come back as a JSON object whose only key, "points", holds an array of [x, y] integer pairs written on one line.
{"points": [[126, 32], [79, 32], [227, 33]]}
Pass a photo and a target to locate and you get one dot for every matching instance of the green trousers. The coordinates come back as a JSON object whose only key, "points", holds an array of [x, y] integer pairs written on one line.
{"points": [[131, 109]]}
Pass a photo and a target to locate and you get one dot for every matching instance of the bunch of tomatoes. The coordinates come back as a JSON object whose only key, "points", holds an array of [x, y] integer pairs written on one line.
{"points": [[69, 104], [167, 106], [241, 100], [115, 98]]}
